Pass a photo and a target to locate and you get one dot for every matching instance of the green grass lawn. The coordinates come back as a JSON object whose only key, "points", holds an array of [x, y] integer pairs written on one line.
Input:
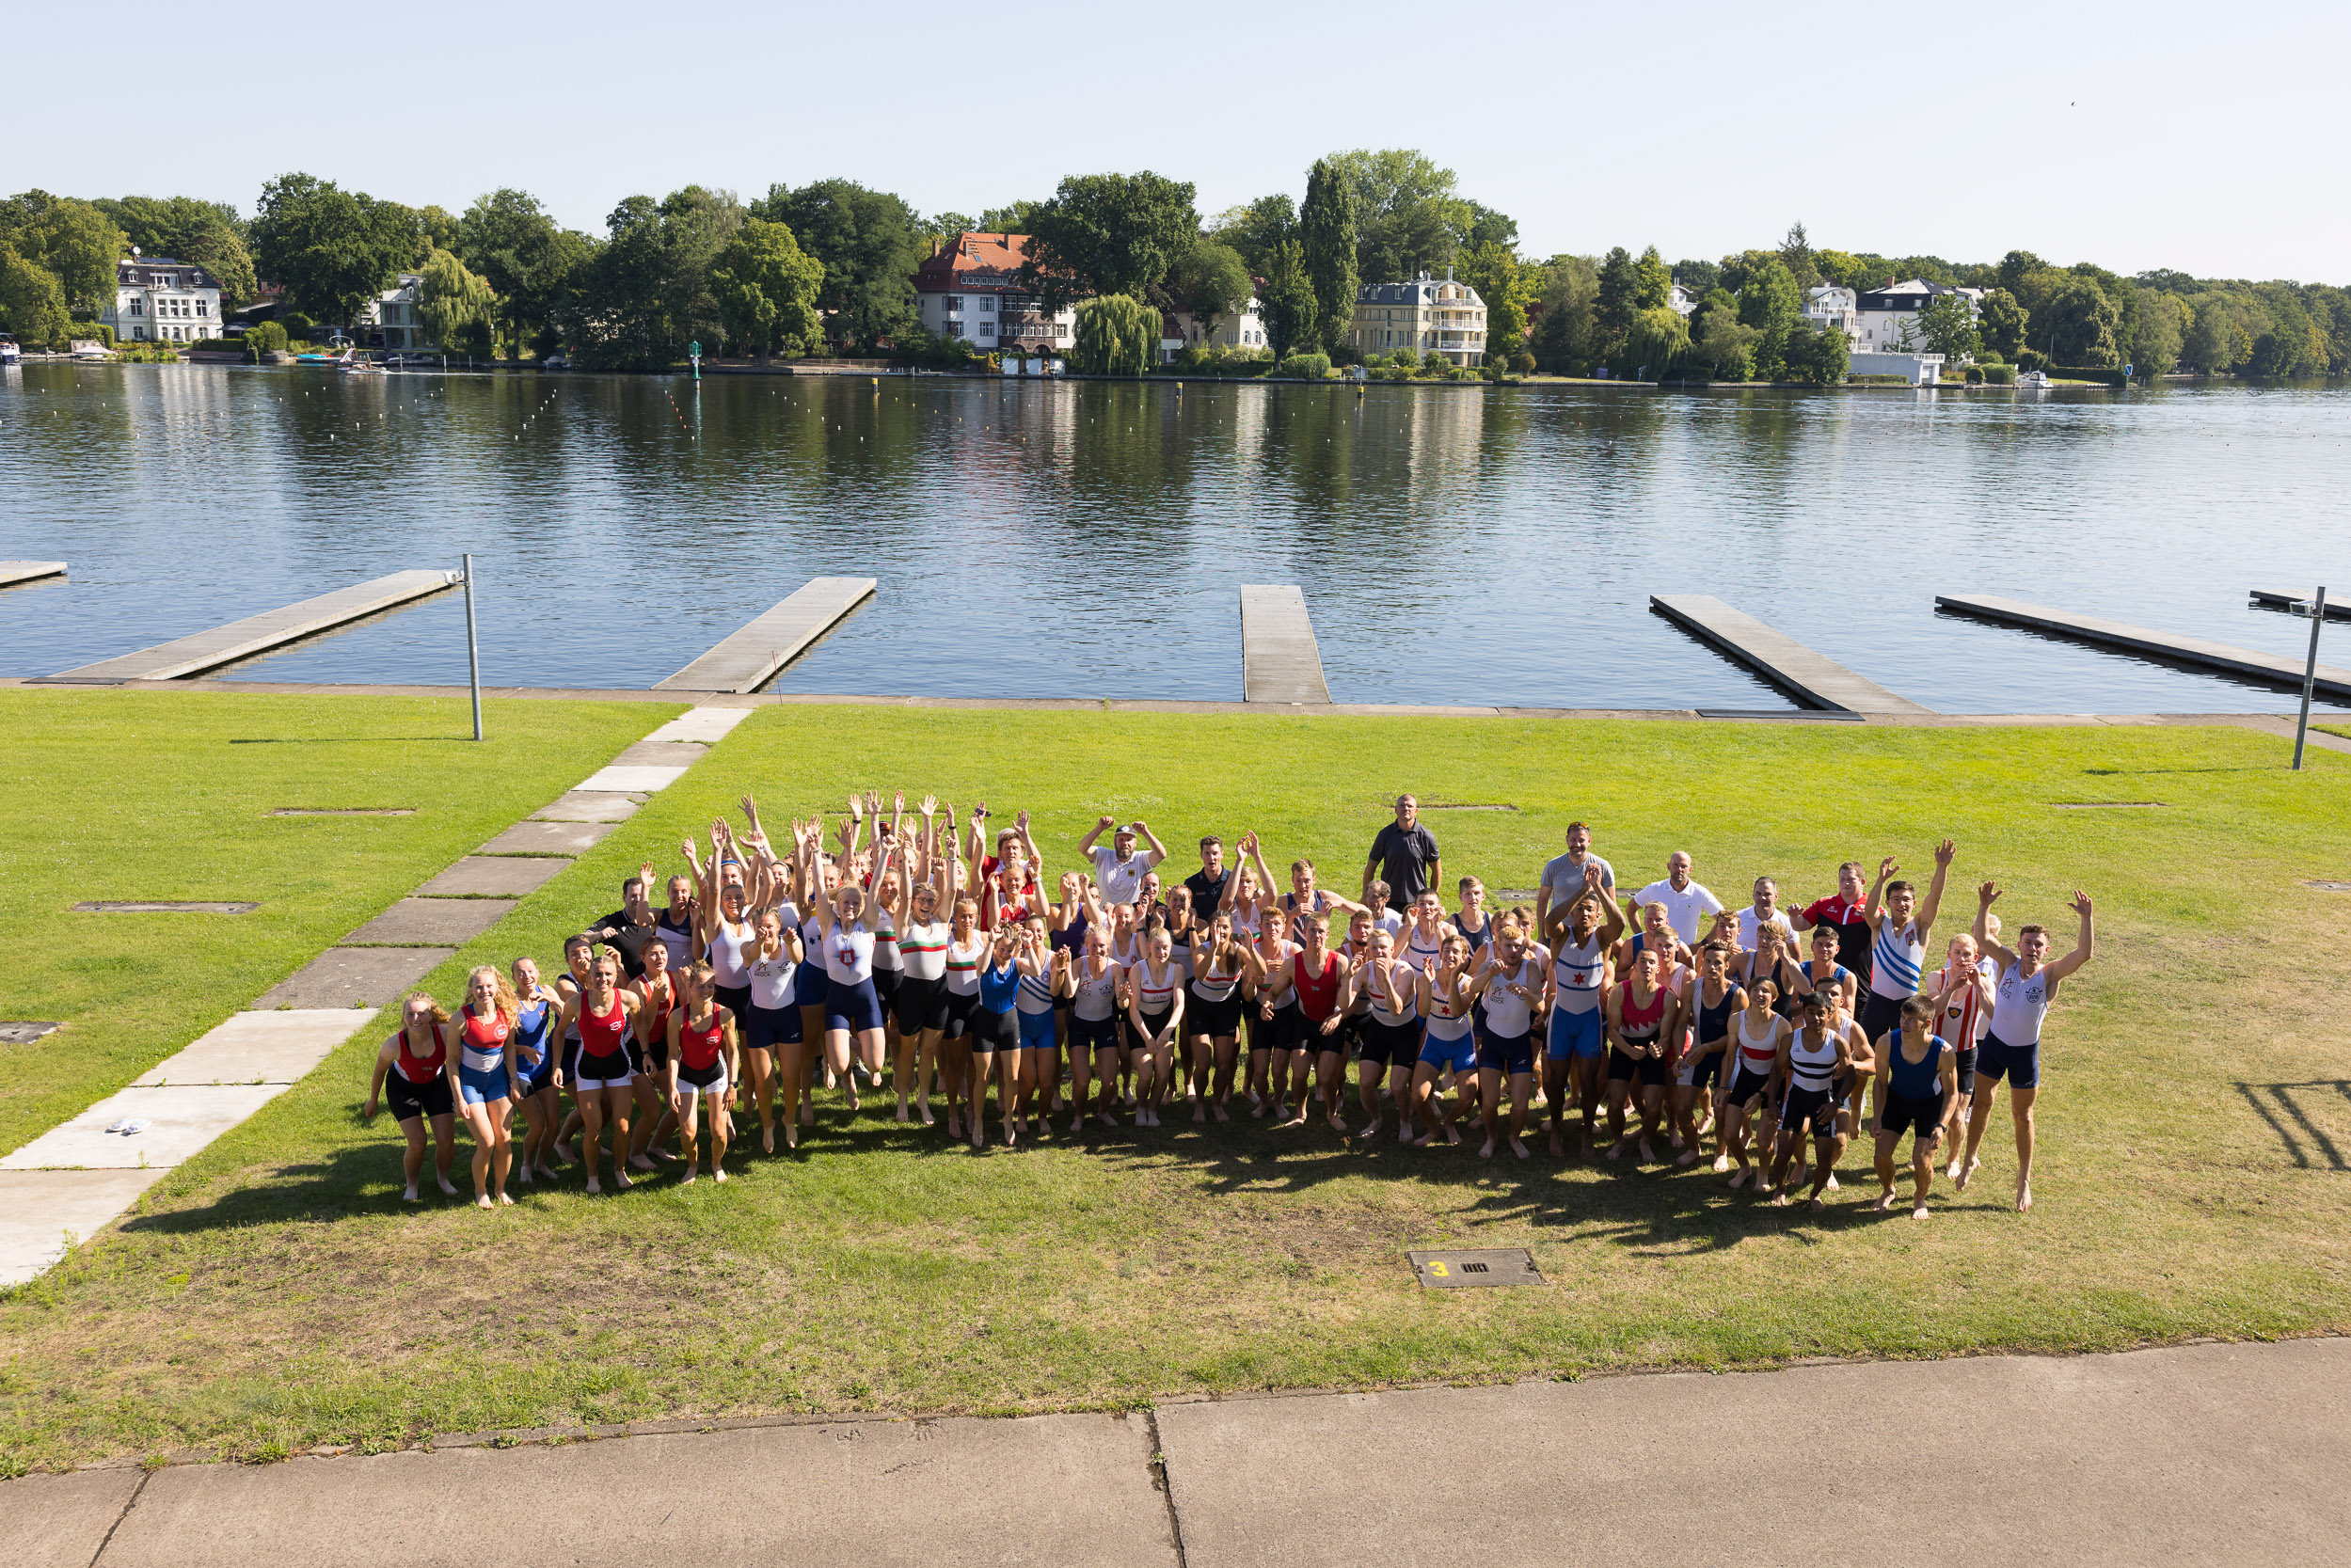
{"points": [[168, 795], [2193, 1177]]}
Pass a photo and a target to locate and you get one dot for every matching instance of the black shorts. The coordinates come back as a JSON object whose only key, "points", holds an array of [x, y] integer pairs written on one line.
{"points": [[1879, 1015], [1280, 1032], [1392, 1044], [885, 985], [1748, 1085], [1901, 1113], [1151, 1021], [1965, 1057], [713, 1076], [1808, 1105], [735, 999], [919, 1004], [765, 1028], [1205, 1015], [428, 1099], [995, 1031], [960, 1007], [1093, 1034], [1644, 1068]]}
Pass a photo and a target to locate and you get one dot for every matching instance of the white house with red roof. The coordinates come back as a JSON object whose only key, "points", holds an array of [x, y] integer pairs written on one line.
{"points": [[970, 288]]}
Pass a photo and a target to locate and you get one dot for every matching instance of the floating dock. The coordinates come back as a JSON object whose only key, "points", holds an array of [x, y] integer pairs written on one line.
{"points": [[1280, 661], [259, 634], [2244, 663], [14, 572], [1813, 679], [750, 658], [2278, 599]]}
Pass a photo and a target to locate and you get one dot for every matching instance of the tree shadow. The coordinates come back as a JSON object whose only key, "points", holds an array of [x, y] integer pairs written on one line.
{"points": [[2301, 1135]]}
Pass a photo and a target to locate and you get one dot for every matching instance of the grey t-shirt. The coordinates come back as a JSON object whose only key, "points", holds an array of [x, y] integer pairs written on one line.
{"points": [[1562, 879]]}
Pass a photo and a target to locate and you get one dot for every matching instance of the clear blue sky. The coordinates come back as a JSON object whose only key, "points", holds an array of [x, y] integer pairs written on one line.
{"points": [[2152, 136]]}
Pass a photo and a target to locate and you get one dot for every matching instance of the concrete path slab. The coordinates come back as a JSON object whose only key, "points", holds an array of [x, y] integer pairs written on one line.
{"points": [[492, 875], [550, 838], [1070, 1489], [750, 658], [1280, 661], [630, 780], [661, 754], [1778, 658], [181, 1120], [705, 725], [2245, 663], [40, 1210], [256, 634], [588, 805], [2215, 1453], [61, 1521], [355, 977], [441, 922], [277, 1047], [14, 572]]}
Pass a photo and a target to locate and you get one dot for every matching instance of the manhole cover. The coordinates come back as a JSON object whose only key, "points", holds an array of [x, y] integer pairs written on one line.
{"points": [[1467, 805], [2330, 887], [345, 811], [25, 1033], [144, 905], [1513, 894], [2106, 805], [1474, 1268]]}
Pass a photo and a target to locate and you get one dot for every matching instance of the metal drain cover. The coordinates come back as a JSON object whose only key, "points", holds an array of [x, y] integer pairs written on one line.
{"points": [[1473, 1268], [2330, 887], [149, 905], [25, 1033]]}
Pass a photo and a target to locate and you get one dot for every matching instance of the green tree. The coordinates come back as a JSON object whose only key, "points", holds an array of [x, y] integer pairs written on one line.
{"points": [[1796, 256], [1107, 234], [1652, 282], [1565, 290], [459, 311], [1771, 304], [766, 288], [262, 339], [1507, 290], [1487, 226], [530, 262], [1817, 355], [332, 250], [1720, 340], [187, 229], [869, 242], [1326, 241], [2079, 324], [1618, 297], [1253, 230], [647, 293], [940, 228], [1698, 277], [1013, 218], [1117, 335], [32, 302], [1845, 270], [1947, 326], [73, 242], [1287, 301], [1209, 283], [1657, 343], [2161, 326], [2003, 324], [436, 229], [1408, 217]]}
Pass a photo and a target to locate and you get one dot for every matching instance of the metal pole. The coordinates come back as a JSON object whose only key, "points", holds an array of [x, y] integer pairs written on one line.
{"points": [[473, 652], [2310, 675]]}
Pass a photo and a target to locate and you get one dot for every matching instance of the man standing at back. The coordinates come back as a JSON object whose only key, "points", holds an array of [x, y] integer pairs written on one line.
{"points": [[1686, 902], [1207, 884], [1562, 880], [1119, 870], [1403, 855], [1848, 914]]}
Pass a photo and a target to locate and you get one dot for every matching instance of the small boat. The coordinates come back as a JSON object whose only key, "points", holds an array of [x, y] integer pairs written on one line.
{"points": [[348, 363], [9, 353], [315, 359], [2035, 379]]}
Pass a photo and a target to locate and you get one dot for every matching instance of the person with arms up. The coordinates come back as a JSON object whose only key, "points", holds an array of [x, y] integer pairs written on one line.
{"points": [[1118, 869], [2027, 989], [1902, 925], [1403, 855]]}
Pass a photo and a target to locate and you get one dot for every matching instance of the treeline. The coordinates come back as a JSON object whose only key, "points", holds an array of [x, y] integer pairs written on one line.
{"points": [[831, 263]]}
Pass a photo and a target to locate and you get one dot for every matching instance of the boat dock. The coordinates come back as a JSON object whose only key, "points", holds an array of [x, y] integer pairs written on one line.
{"points": [[2244, 663], [14, 572], [259, 634], [750, 658], [1280, 661], [1812, 678], [2272, 598]]}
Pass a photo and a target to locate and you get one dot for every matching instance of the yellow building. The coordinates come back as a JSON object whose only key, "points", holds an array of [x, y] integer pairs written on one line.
{"points": [[1434, 315]]}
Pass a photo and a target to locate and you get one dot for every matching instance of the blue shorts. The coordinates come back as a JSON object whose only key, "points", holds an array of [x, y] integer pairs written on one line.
{"points": [[1093, 1034], [1577, 1035], [810, 984], [480, 1089], [1456, 1055], [1037, 1033], [764, 1028], [2020, 1064], [1505, 1053], [851, 1008], [530, 1079]]}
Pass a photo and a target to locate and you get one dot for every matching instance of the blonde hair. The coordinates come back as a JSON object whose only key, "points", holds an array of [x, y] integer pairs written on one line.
{"points": [[502, 999], [440, 1014]]}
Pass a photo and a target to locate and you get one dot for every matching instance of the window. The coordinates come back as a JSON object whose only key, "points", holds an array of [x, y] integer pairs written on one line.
{"points": [[987, 329], [203, 307], [987, 303], [955, 329], [955, 302], [162, 280]]}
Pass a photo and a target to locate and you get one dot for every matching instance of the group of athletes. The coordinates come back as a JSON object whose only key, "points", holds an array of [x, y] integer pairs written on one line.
{"points": [[954, 961]]}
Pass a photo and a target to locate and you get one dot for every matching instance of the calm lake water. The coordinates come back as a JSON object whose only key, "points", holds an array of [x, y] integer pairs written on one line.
{"points": [[1087, 539]]}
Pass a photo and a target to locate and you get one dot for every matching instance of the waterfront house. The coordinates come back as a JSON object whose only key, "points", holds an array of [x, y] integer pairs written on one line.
{"points": [[1181, 330], [970, 288], [160, 300], [1831, 309], [396, 313], [1682, 298], [1432, 314], [1881, 314]]}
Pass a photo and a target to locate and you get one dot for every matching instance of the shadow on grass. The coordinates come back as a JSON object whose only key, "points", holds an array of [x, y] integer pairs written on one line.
{"points": [[2301, 1135]]}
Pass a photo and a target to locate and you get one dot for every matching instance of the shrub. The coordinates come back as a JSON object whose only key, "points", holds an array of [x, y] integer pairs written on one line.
{"points": [[1522, 362], [2031, 359], [1989, 356], [82, 331], [2000, 375], [1306, 367], [297, 324], [264, 337], [1405, 359], [1971, 375]]}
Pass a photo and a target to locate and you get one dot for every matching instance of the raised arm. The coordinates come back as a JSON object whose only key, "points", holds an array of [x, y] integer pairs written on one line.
{"points": [[1158, 851], [1999, 952], [1085, 845], [1876, 906], [1934, 906], [2085, 944]]}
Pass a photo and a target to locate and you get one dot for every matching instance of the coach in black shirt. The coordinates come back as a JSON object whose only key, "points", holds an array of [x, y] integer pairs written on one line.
{"points": [[630, 927], [1404, 857], [1207, 884]]}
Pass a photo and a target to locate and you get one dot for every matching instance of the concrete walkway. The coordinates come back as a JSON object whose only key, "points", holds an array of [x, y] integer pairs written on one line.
{"points": [[76, 1178], [2207, 1453]]}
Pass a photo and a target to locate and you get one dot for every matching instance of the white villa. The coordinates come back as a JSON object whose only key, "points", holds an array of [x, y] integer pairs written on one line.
{"points": [[1880, 314], [157, 299], [1432, 314]]}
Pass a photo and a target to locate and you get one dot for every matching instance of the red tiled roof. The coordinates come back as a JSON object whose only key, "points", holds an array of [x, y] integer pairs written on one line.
{"points": [[973, 261]]}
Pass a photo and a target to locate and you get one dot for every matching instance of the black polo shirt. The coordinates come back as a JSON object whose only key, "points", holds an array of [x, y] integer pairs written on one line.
{"points": [[1404, 856]]}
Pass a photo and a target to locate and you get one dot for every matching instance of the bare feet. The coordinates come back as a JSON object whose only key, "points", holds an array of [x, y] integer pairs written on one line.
{"points": [[923, 1110], [1817, 1207], [1648, 1156], [1404, 1132], [2024, 1196], [1558, 1144], [1779, 1200], [687, 1180], [592, 1190], [620, 1180], [505, 1200], [1487, 1151], [1222, 1115], [1452, 1134], [1831, 1185], [481, 1200], [1616, 1152], [448, 1191], [1518, 1149], [1722, 1164], [1885, 1201], [1199, 1111], [1919, 1213], [639, 1162], [1963, 1176], [1688, 1157], [1740, 1180], [767, 1140]]}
